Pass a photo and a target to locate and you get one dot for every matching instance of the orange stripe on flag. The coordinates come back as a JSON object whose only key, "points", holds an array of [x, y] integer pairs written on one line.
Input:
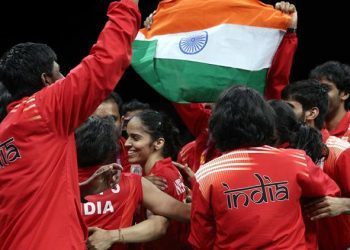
{"points": [[175, 16]]}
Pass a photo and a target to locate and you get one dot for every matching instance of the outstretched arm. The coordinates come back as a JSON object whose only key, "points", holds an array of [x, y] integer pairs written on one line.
{"points": [[160, 203], [278, 75], [151, 229], [71, 100]]}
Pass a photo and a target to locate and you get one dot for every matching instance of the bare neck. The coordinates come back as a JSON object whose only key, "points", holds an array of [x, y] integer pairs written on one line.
{"points": [[312, 124], [333, 122], [151, 161]]}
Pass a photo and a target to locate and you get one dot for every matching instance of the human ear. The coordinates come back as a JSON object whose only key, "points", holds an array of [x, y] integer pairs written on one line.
{"points": [[344, 96], [311, 114], [159, 143], [46, 79]]}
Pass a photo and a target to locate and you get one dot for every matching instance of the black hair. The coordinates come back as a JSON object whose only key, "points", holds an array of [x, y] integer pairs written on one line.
{"points": [[297, 134], [309, 93], [335, 72], [241, 118], [159, 125], [22, 66], [5, 99], [133, 105], [116, 98], [96, 142]]}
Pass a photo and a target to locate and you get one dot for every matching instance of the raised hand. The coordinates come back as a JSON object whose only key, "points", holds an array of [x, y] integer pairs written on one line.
{"points": [[159, 182], [290, 9], [105, 177], [149, 20], [186, 169]]}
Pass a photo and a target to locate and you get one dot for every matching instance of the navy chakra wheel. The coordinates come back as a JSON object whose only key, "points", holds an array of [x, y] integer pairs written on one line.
{"points": [[194, 43]]}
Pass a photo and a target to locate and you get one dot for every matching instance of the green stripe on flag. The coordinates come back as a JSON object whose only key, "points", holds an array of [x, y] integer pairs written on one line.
{"points": [[187, 81]]}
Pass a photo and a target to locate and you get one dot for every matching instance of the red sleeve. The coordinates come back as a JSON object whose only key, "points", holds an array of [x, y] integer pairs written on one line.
{"points": [[278, 75], [342, 173], [171, 189], [175, 186], [203, 230], [137, 188], [170, 179], [315, 183], [181, 157], [185, 152], [71, 100], [194, 115]]}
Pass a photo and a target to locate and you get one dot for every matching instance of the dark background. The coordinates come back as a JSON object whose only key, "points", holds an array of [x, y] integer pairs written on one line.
{"points": [[71, 27]]}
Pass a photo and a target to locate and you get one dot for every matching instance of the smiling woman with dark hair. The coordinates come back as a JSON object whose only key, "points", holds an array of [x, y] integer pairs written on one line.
{"points": [[153, 143], [112, 211]]}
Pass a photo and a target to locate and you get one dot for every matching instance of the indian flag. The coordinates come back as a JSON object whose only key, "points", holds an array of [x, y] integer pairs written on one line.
{"points": [[197, 48]]}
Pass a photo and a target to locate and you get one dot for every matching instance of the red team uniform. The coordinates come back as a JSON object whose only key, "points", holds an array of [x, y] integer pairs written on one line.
{"points": [[249, 199], [343, 129], [39, 194], [115, 207], [177, 233], [278, 75], [334, 233], [201, 150], [186, 154]]}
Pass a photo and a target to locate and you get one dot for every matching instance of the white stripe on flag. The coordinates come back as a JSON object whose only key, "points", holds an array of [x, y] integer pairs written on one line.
{"points": [[230, 45]]}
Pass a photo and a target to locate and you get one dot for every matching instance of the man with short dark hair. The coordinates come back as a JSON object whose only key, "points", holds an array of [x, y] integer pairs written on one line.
{"points": [[336, 76], [39, 192]]}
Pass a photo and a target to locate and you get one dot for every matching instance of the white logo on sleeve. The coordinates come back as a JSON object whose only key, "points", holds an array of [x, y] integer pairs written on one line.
{"points": [[179, 186]]}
